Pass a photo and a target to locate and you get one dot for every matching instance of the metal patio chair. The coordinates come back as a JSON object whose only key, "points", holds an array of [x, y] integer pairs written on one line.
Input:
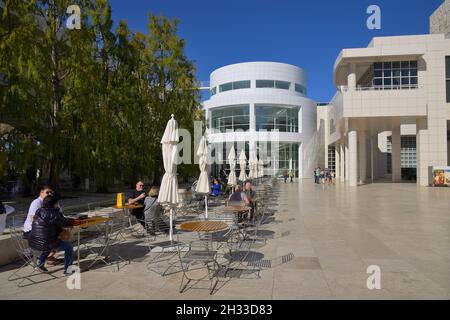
{"points": [[197, 260], [29, 259]]}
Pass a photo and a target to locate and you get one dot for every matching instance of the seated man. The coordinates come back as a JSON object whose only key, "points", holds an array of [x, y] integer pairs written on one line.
{"points": [[250, 197], [137, 197], [48, 223], [154, 213], [34, 207]]}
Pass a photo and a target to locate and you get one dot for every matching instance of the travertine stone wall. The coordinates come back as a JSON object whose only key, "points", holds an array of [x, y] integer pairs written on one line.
{"points": [[440, 20]]}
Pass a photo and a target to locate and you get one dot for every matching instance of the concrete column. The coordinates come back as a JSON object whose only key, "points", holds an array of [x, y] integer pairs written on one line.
{"points": [[351, 78], [375, 157], [396, 158], [353, 158], [301, 174], [338, 160], [362, 157], [252, 117], [347, 160], [343, 159]]}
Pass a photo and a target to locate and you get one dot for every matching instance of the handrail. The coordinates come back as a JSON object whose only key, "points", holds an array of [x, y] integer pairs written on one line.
{"points": [[380, 88]]}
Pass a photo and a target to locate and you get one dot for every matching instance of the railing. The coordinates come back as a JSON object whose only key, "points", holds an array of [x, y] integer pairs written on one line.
{"points": [[379, 88], [204, 85]]}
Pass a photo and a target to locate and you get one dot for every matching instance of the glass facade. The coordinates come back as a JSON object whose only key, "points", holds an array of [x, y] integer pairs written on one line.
{"points": [[408, 152], [221, 151], [231, 118], [332, 158], [395, 75], [408, 155], [284, 158], [283, 119]]}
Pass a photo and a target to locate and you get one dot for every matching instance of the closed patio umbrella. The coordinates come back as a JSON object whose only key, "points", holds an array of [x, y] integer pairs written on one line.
{"points": [[168, 195], [261, 168], [232, 162], [243, 165], [253, 164], [203, 181]]}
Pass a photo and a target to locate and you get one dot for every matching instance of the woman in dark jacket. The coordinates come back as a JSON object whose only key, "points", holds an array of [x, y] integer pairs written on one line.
{"points": [[48, 223]]}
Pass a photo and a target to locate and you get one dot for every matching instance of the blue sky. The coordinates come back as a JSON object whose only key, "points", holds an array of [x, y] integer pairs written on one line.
{"points": [[309, 34]]}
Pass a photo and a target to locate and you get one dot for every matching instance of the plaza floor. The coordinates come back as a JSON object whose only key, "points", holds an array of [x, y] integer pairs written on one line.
{"points": [[334, 232]]}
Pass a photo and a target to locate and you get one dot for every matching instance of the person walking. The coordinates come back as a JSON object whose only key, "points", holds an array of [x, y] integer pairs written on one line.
{"points": [[317, 175], [291, 176], [285, 175]]}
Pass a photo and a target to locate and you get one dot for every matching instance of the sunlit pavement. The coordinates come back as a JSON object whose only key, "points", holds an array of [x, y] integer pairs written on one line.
{"points": [[335, 234]]}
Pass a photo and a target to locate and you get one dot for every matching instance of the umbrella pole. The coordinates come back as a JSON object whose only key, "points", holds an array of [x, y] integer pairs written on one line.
{"points": [[206, 207], [171, 225]]}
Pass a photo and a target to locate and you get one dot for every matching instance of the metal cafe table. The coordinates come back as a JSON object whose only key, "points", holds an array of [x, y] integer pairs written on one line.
{"points": [[239, 211], [127, 210], [79, 225], [203, 226]]}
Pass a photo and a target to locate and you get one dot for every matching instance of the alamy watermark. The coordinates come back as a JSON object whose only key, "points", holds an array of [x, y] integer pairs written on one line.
{"points": [[263, 144], [74, 19], [374, 20], [374, 280], [73, 281]]}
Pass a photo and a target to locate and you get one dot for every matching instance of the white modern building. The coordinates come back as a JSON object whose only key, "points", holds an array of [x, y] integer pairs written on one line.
{"points": [[391, 112], [262, 107]]}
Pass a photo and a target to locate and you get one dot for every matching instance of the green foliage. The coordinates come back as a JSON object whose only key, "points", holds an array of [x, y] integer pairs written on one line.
{"points": [[95, 101]]}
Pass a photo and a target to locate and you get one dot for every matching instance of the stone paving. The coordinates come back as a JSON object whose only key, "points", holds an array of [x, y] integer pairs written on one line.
{"points": [[334, 232]]}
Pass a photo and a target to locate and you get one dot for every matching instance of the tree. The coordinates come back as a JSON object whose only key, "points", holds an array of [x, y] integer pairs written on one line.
{"points": [[93, 102]]}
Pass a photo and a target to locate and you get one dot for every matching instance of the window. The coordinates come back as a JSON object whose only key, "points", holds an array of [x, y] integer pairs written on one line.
{"points": [[231, 118], [245, 84], [265, 83], [395, 75], [299, 88], [226, 87], [332, 158], [282, 85], [241, 85], [277, 84], [389, 155], [408, 152], [213, 91], [270, 118], [447, 77]]}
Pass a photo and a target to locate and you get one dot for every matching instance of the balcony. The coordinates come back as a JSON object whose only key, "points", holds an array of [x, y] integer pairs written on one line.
{"points": [[392, 101]]}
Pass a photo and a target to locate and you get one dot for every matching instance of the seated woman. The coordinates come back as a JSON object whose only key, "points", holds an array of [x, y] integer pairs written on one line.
{"points": [[216, 188], [48, 223], [153, 213], [238, 197]]}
